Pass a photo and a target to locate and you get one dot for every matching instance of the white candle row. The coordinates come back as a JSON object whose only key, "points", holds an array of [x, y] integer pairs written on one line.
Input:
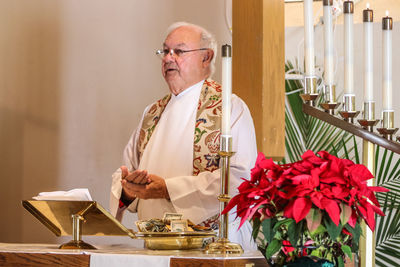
{"points": [[348, 10]]}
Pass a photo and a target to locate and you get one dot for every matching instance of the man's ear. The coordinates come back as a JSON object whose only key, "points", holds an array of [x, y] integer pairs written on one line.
{"points": [[208, 56]]}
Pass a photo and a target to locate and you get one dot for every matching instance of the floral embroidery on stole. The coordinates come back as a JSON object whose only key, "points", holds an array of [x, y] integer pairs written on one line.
{"points": [[206, 132]]}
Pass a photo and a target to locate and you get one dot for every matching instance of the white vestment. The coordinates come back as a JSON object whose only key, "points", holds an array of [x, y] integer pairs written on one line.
{"points": [[169, 154]]}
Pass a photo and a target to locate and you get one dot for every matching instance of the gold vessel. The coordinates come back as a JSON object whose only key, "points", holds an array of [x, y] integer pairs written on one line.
{"points": [[174, 240]]}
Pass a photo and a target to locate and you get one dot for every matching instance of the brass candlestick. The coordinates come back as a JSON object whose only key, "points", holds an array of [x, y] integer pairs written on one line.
{"points": [[387, 130], [349, 108], [330, 103], [223, 245], [310, 90]]}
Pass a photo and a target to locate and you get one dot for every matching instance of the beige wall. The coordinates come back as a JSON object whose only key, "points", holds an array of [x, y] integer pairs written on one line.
{"points": [[75, 77]]}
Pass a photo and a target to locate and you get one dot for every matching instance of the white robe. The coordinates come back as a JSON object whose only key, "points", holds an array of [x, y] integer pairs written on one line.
{"points": [[169, 154]]}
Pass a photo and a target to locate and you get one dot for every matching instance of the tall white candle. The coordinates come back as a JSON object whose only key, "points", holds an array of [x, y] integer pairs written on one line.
{"points": [[348, 9], [309, 38], [387, 24], [368, 18], [226, 89], [328, 43]]}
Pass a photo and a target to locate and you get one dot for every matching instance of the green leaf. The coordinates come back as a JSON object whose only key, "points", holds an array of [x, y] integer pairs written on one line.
{"points": [[340, 262], [329, 256], [345, 214], [272, 248], [283, 222], [356, 155], [294, 232], [313, 219], [321, 229], [267, 229], [332, 229], [316, 253], [256, 228], [356, 232], [347, 250]]}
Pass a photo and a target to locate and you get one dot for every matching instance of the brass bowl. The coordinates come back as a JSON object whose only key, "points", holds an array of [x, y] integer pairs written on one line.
{"points": [[174, 240]]}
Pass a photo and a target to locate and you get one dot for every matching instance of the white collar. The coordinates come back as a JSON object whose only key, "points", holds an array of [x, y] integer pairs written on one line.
{"points": [[184, 92]]}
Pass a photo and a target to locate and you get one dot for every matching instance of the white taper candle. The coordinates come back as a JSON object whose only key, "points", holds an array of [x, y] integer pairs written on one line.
{"points": [[368, 18], [226, 89], [348, 9], [387, 24], [309, 38], [328, 43]]}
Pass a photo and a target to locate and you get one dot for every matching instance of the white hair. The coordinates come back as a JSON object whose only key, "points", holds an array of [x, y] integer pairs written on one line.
{"points": [[207, 39]]}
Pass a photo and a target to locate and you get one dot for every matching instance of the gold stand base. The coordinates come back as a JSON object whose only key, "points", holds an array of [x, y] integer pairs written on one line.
{"points": [[349, 115], [309, 98], [368, 124], [223, 246], [79, 244], [329, 107], [387, 132]]}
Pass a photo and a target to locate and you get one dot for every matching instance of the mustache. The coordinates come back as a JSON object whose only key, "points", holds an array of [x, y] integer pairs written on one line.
{"points": [[170, 66]]}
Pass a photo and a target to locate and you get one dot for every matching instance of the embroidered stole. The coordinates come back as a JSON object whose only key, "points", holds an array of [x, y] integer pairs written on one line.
{"points": [[206, 131]]}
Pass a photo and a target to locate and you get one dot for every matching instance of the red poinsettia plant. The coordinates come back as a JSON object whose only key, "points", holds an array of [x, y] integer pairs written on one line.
{"points": [[311, 207]]}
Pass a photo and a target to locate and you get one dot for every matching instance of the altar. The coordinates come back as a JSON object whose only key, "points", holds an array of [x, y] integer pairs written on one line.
{"points": [[14, 254]]}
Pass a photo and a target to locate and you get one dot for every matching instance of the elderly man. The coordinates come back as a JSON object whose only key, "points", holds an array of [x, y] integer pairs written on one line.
{"points": [[171, 160]]}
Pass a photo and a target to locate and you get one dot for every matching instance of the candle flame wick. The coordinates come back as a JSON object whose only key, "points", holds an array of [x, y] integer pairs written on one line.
{"points": [[387, 13], [367, 5]]}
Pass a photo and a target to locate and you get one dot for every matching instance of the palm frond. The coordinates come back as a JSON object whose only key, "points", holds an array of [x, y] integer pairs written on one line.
{"points": [[388, 233], [388, 227]]}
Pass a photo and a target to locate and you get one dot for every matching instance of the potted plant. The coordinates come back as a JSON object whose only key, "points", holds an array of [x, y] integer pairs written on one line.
{"points": [[310, 208], [304, 132]]}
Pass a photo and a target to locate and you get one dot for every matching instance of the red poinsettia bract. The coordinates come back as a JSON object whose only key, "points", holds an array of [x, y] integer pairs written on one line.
{"points": [[322, 181]]}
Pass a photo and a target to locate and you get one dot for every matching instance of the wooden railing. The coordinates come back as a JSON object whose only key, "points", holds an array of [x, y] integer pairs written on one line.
{"points": [[352, 128]]}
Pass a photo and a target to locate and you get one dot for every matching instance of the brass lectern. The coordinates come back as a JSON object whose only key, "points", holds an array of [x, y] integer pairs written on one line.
{"points": [[76, 218]]}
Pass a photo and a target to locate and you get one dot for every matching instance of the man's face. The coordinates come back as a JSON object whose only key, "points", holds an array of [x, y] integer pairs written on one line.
{"points": [[180, 72]]}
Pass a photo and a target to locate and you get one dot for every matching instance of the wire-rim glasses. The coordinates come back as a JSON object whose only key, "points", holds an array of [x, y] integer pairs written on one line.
{"points": [[161, 53]]}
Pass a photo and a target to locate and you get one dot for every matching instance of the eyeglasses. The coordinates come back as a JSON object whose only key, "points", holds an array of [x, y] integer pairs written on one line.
{"points": [[177, 52]]}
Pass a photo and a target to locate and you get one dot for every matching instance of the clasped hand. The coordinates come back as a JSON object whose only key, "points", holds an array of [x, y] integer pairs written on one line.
{"points": [[143, 185]]}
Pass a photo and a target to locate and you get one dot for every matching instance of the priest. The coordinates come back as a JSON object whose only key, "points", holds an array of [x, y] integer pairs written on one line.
{"points": [[171, 162]]}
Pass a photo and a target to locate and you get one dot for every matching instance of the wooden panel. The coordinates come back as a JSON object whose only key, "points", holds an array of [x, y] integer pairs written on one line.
{"points": [[23, 259], [12, 259], [259, 70]]}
